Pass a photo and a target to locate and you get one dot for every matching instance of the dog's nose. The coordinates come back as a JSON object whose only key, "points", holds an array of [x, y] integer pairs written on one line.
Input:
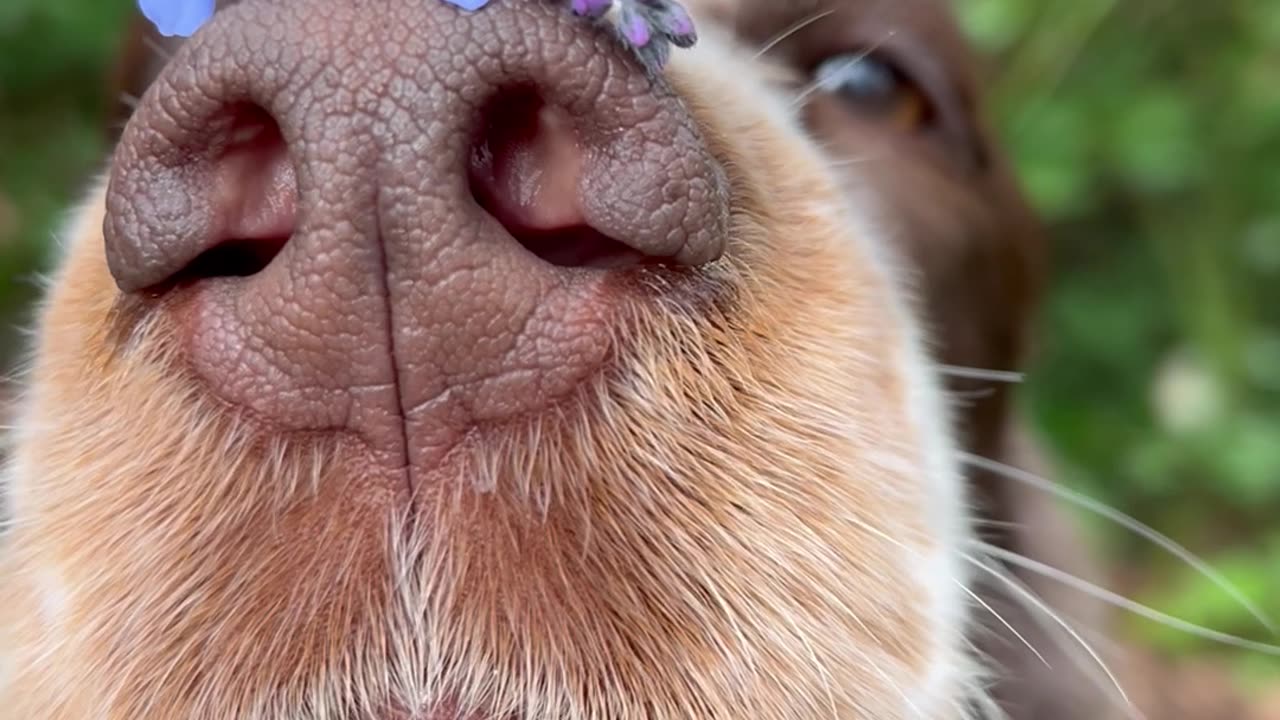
{"points": [[403, 219]]}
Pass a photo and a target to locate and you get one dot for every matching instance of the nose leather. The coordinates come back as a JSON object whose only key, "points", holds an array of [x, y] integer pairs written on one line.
{"points": [[399, 309]]}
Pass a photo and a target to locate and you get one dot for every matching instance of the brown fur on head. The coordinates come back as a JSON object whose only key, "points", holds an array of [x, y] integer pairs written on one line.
{"points": [[753, 511]]}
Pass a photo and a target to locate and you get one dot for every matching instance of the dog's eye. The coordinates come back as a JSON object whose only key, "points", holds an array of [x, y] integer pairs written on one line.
{"points": [[872, 85]]}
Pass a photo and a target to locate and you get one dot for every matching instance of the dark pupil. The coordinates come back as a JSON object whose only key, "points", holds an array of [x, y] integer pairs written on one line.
{"points": [[859, 78]]}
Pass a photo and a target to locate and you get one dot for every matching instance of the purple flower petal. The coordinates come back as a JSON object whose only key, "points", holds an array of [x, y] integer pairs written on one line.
{"points": [[179, 18], [591, 8], [674, 22], [655, 55], [635, 27], [468, 5]]}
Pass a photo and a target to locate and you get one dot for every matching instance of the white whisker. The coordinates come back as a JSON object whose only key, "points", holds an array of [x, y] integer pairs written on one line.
{"points": [[1004, 622], [1125, 603], [833, 150], [1040, 605], [902, 546], [851, 161], [797, 27], [854, 161], [969, 396], [999, 524], [1053, 84], [1000, 376], [1051, 623], [987, 706], [156, 48], [1129, 523]]}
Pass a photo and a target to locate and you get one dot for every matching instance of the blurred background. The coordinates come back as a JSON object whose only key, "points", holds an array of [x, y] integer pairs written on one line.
{"points": [[1148, 133]]}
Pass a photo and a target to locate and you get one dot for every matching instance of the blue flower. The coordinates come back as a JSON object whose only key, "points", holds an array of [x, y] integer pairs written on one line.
{"points": [[650, 27], [469, 5], [591, 8], [182, 18], [177, 17]]}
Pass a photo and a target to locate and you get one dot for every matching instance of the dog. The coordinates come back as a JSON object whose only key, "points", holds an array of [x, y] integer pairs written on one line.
{"points": [[687, 444]]}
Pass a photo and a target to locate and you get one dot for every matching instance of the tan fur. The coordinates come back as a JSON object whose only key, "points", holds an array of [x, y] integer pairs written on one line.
{"points": [[738, 521]]}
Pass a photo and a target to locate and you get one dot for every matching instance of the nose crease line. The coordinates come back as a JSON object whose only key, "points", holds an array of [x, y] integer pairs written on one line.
{"points": [[384, 269], [396, 379]]}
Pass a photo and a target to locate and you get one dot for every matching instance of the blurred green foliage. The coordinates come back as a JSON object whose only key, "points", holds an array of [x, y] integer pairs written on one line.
{"points": [[1147, 131], [55, 59]]}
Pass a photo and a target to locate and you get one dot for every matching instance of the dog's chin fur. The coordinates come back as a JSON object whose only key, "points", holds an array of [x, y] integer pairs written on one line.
{"points": [[754, 513]]}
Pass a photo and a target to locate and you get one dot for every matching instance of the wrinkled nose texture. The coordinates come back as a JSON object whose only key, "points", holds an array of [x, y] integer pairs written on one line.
{"points": [[399, 219]]}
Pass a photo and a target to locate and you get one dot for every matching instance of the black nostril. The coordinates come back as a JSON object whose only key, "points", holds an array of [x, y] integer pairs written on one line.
{"points": [[231, 258], [408, 217], [525, 171], [255, 193], [580, 246], [238, 171], [578, 155]]}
